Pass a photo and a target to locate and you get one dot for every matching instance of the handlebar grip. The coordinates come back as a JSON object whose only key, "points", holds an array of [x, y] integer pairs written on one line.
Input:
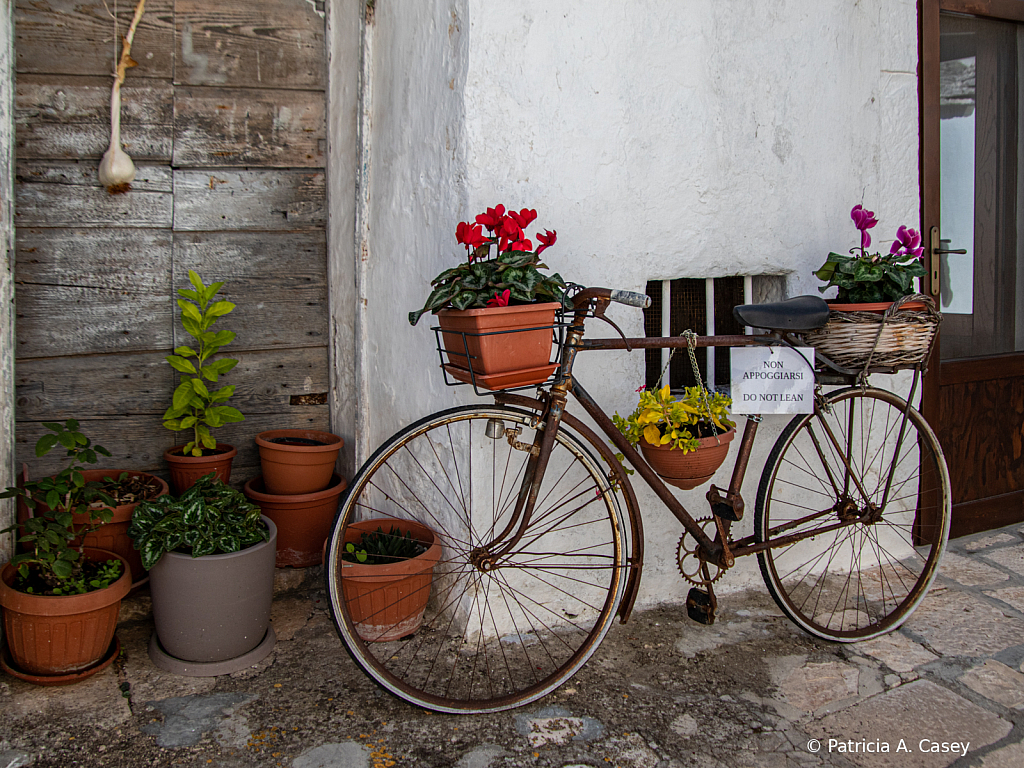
{"points": [[631, 298]]}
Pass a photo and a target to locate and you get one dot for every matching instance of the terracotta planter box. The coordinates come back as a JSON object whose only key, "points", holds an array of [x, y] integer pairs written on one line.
{"points": [[688, 470], [386, 602], [293, 467], [50, 636], [185, 470], [303, 521], [502, 360], [216, 607]]}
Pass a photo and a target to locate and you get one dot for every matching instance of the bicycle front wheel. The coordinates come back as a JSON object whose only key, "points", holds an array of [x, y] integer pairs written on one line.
{"points": [[855, 503], [500, 626]]}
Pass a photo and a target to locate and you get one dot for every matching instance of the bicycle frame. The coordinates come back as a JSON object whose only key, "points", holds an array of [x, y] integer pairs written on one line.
{"points": [[717, 550]]}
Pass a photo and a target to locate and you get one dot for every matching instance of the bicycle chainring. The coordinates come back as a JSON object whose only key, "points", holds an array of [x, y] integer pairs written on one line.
{"points": [[687, 560]]}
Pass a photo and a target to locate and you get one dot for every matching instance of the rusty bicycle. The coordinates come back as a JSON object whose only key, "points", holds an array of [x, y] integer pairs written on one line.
{"points": [[536, 535]]}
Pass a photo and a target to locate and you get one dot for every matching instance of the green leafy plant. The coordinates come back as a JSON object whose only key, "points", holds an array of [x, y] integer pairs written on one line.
{"points": [[52, 562], [193, 405], [864, 277], [381, 548], [512, 276], [661, 418], [209, 518]]}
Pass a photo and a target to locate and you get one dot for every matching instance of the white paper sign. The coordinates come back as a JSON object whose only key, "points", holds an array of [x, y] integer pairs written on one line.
{"points": [[772, 379]]}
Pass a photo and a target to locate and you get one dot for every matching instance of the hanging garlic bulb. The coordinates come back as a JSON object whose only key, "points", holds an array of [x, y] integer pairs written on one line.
{"points": [[116, 168]]}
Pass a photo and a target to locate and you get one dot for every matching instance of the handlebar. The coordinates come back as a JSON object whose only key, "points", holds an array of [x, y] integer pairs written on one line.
{"points": [[630, 298]]}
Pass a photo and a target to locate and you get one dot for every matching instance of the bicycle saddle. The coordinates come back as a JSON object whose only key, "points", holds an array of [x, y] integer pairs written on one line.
{"points": [[801, 313]]}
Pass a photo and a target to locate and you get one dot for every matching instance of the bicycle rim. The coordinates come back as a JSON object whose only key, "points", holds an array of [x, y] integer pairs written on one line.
{"points": [[863, 557], [492, 636]]}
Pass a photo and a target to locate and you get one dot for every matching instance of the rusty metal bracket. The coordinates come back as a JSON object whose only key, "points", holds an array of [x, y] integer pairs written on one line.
{"points": [[729, 506], [512, 433]]}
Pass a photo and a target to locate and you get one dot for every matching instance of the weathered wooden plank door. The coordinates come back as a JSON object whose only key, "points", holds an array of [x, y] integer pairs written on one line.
{"points": [[6, 266], [973, 208]]}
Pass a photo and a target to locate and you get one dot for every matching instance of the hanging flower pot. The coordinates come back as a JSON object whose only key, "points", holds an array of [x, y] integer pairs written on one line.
{"points": [[303, 520], [693, 468], [297, 461], [386, 601]]}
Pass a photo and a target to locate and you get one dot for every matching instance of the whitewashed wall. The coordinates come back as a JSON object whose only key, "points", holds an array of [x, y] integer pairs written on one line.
{"points": [[665, 139]]}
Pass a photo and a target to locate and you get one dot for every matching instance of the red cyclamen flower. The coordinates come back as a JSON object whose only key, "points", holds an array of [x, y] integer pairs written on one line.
{"points": [[524, 218], [493, 219], [548, 239], [500, 300], [470, 235]]}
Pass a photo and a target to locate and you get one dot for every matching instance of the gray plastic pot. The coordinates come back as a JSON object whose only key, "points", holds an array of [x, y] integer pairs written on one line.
{"points": [[213, 609]]}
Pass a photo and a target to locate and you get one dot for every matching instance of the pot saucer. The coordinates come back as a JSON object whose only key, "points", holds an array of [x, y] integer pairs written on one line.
{"points": [[7, 664], [169, 663]]}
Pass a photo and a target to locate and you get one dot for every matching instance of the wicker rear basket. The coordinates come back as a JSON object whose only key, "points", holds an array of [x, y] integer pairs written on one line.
{"points": [[896, 339]]}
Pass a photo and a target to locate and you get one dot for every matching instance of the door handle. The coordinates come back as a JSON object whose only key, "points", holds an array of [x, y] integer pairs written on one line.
{"points": [[938, 250]]}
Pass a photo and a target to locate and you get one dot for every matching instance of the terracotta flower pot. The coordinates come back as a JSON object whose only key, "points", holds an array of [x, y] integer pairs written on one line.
{"points": [[874, 306], [214, 608], [386, 602], [185, 470], [297, 461], [502, 360], [303, 521], [688, 470], [112, 536], [60, 635]]}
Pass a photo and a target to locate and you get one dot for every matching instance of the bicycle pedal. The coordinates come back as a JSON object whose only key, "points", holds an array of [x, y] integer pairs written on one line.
{"points": [[700, 606], [728, 506]]}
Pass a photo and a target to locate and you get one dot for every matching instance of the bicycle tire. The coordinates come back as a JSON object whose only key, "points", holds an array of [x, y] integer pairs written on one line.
{"points": [[865, 578], [491, 639]]}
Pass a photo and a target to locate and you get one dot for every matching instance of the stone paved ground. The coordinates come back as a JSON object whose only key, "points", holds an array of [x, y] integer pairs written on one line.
{"points": [[661, 692]]}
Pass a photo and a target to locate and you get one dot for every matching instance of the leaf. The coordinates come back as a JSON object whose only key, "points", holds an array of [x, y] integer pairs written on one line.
{"points": [[200, 388], [864, 272], [191, 327], [464, 300], [222, 394], [45, 443], [180, 364], [197, 282], [652, 434], [61, 568], [229, 415], [219, 309], [203, 547], [190, 311], [151, 551], [182, 395]]}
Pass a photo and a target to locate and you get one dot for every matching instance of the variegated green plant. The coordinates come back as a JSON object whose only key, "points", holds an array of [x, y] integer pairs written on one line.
{"points": [[209, 518], [194, 406]]}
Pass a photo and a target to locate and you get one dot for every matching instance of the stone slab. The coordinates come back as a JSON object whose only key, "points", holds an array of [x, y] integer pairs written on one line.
{"points": [[98, 697], [1008, 557], [969, 571], [960, 624], [898, 652], [347, 754], [1010, 595], [996, 682], [1011, 756], [815, 685], [989, 541], [920, 713], [187, 718]]}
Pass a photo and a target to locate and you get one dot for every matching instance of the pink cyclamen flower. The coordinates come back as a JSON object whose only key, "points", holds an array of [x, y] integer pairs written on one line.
{"points": [[908, 242], [864, 220], [500, 300]]}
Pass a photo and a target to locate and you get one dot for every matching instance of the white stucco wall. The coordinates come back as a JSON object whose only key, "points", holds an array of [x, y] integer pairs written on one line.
{"points": [[665, 139]]}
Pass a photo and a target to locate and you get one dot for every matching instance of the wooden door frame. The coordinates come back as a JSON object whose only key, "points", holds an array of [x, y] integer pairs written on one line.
{"points": [[929, 11]]}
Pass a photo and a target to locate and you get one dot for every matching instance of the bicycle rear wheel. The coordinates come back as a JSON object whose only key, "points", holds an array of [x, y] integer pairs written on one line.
{"points": [[499, 629], [855, 543]]}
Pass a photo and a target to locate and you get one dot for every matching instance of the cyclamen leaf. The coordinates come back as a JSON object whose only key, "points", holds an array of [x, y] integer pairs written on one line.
{"points": [[464, 300]]}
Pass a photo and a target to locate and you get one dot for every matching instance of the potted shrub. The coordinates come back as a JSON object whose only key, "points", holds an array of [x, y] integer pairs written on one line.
{"points": [[303, 520], [386, 573], [684, 439], [210, 557], [60, 598], [194, 406], [484, 303], [297, 461]]}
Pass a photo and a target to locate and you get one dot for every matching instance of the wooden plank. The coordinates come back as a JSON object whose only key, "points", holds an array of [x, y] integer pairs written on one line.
{"points": [[71, 37], [261, 199], [231, 127], [125, 260], [138, 442], [273, 43], [7, 394], [995, 9], [278, 282], [136, 384], [69, 194], [986, 514], [82, 291], [69, 118], [981, 369]]}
